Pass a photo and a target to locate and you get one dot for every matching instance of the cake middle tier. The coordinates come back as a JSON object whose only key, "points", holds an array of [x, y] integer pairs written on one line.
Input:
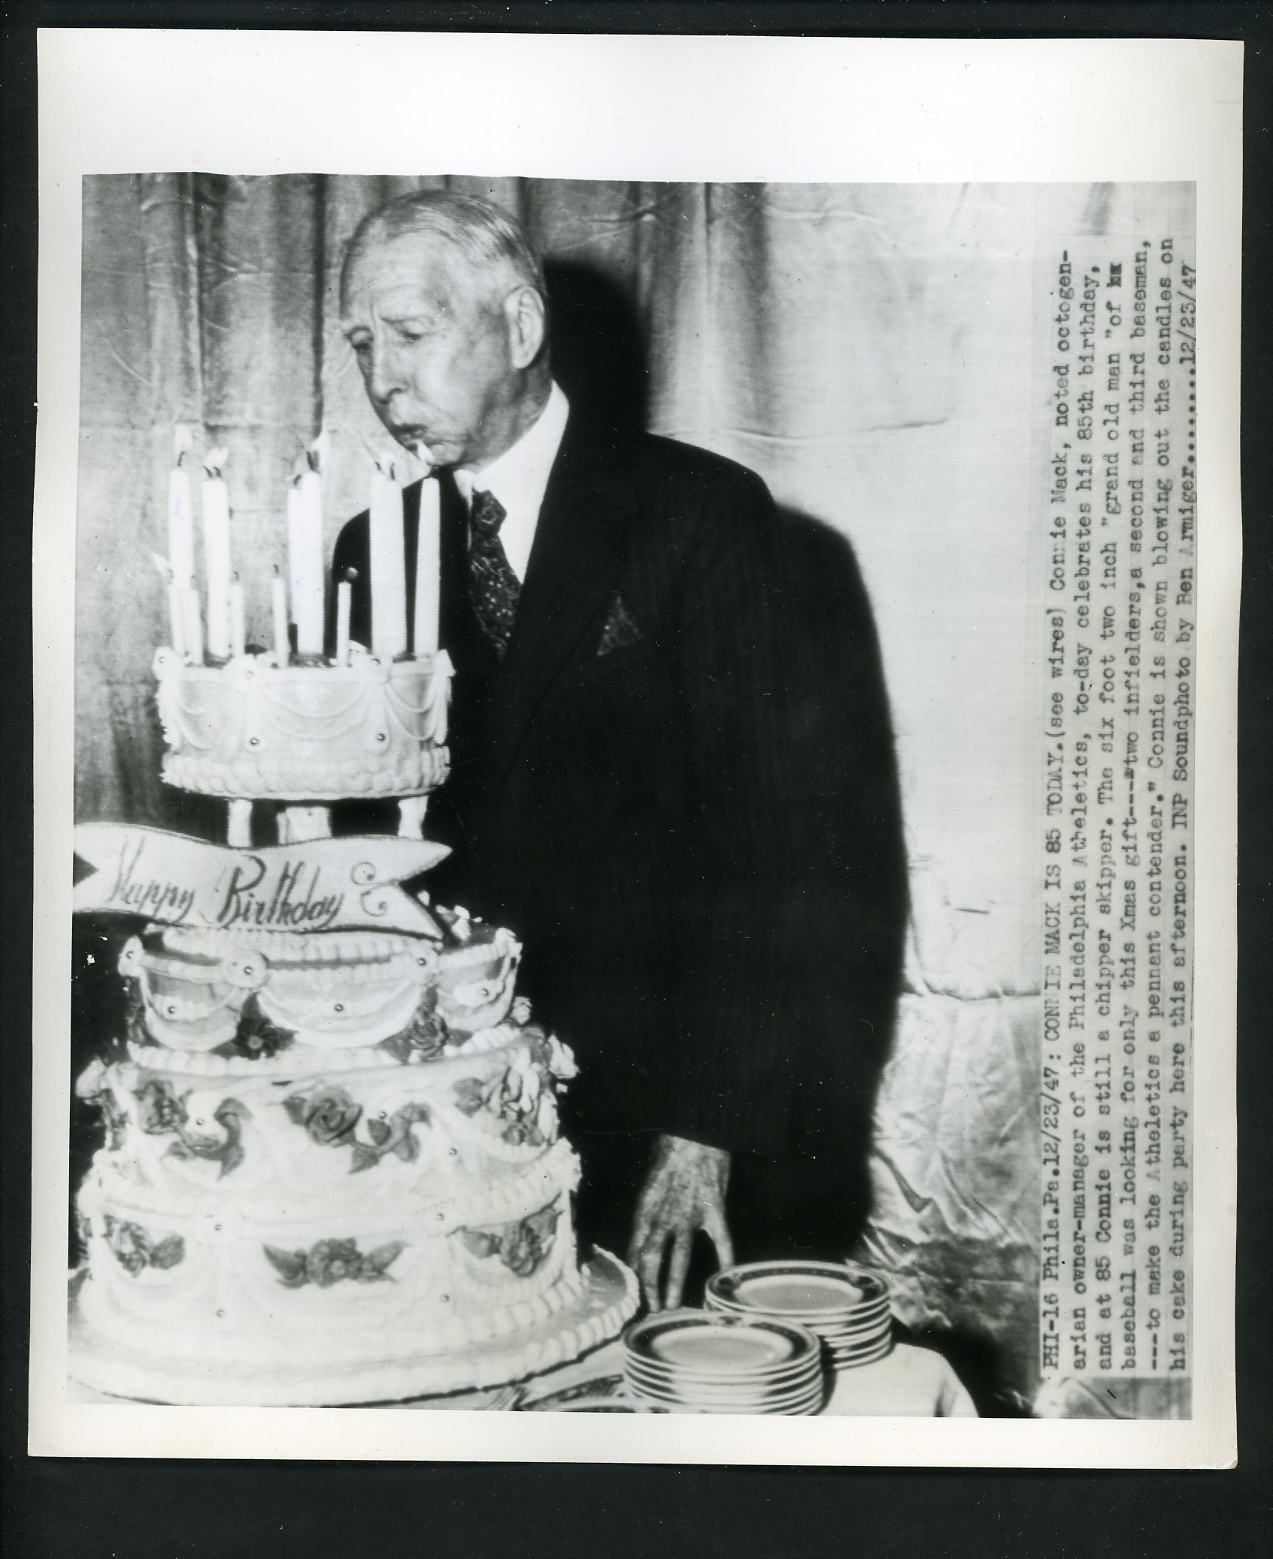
{"points": [[253, 993], [312, 1125]]}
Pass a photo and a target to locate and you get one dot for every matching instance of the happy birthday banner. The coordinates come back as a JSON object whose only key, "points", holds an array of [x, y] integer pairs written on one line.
{"points": [[319, 885]]}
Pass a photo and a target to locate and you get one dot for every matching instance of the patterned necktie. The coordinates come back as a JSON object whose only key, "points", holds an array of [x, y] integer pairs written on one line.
{"points": [[493, 586]]}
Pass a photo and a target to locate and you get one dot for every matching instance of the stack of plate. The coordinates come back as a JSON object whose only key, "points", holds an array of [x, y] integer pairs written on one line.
{"points": [[694, 1362], [847, 1306]]}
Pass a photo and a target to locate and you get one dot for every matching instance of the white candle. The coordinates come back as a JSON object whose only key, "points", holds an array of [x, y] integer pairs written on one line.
{"points": [[238, 618], [428, 569], [216, 555], [180, 525], [344, 603], [175, 622], [388, 567], [278, 611], [194, 626], [176, 627], [305, 560]]}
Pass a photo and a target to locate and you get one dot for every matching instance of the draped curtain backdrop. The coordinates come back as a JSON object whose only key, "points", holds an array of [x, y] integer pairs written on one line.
{"points": [[867, 350]]}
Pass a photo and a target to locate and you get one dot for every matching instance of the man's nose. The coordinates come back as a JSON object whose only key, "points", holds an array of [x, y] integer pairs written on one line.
{"points": [[385, 377]]}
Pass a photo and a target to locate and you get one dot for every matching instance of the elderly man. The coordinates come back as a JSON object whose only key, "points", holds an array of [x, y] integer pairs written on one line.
{"points": [[672, 764]]}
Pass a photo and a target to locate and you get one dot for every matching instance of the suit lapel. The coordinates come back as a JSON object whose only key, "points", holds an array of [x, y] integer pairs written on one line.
{"points": [[580, 542]]}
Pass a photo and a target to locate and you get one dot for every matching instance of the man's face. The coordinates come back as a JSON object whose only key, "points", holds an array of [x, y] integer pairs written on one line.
{"points": [[438, 350]]}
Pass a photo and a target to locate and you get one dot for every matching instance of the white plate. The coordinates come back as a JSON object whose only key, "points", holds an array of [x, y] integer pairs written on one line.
{"points": [[859, 1338], [798, 1369], [804, 1410], [751, 1391], [730, 1305], [680, 1393], [882, 1323], [689, 1386], [804, 1290], [719, 1346], [808, 1402], [881, 1328], [755, 1385], [857, 1331], [862, 1347], [856, 1359]]}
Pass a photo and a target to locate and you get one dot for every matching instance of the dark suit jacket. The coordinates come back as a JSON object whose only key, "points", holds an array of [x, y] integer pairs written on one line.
{"points": [[679, 790]]}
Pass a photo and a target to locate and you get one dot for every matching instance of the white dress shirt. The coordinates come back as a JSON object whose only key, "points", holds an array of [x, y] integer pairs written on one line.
{"points": [[519, 478]]}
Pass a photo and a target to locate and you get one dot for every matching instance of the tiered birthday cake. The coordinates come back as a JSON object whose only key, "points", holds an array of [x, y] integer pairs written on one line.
{"points": [[331, 1172]]}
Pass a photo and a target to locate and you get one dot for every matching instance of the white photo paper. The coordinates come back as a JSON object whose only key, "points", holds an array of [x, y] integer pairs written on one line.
{"points": [[970, 308]]}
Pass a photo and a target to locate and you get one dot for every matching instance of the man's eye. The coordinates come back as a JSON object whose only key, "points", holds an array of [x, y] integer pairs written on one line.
{"points": [[361, 346]]}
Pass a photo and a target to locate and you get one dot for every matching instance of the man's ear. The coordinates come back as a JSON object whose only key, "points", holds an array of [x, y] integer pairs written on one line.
{"points": [[524, 314]]}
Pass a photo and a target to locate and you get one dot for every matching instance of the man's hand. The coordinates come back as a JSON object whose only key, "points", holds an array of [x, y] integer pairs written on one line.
{"points": [[684, 1191]]}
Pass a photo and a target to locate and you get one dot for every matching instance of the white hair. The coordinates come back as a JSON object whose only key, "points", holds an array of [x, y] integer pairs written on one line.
{"points": [[492, 240]]}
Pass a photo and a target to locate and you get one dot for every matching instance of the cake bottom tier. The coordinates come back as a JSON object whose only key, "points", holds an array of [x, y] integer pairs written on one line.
{"points": [[585, 1308]]}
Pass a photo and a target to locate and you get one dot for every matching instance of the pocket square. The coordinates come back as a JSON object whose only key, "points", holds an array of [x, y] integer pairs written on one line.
{"points": [[621, 628]]}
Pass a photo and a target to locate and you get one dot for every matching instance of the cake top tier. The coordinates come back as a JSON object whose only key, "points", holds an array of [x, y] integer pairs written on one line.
{"points": [[256, 729]]}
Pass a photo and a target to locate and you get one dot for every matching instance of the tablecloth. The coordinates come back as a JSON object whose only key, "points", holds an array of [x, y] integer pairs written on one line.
{"points": [[910, 1383]]}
